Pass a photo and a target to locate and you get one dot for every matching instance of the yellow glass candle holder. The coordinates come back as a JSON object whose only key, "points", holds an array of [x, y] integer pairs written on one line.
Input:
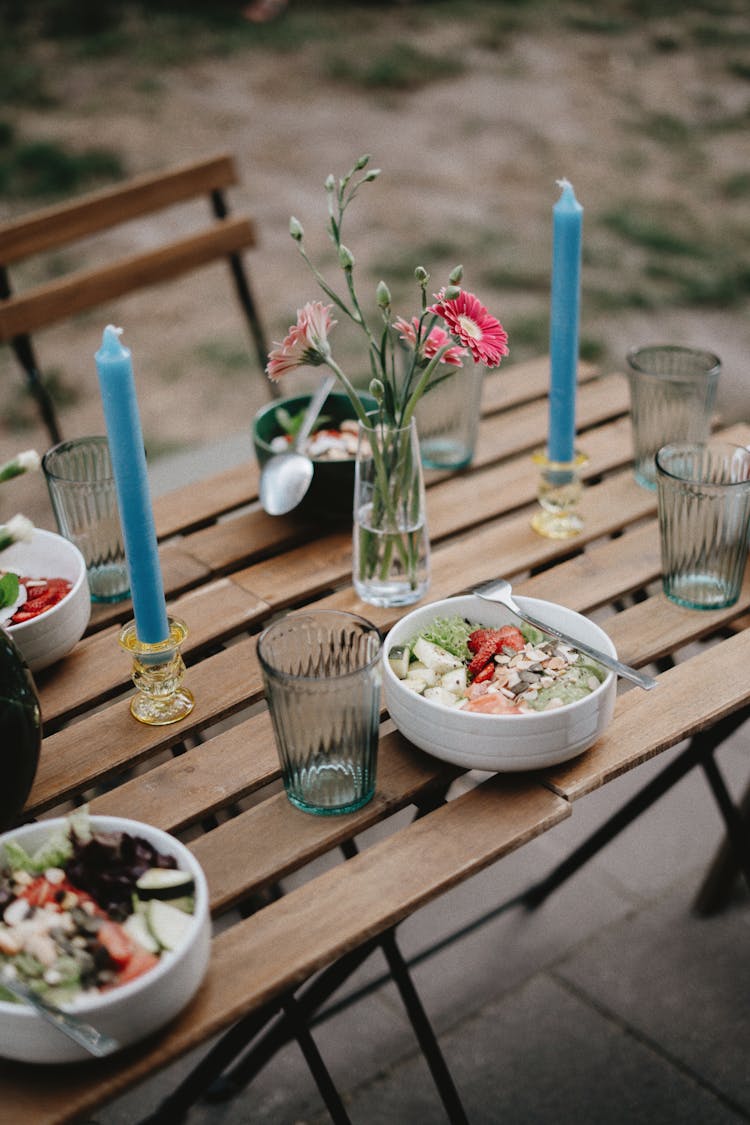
{"points": [[158, 670], [559, 494]]}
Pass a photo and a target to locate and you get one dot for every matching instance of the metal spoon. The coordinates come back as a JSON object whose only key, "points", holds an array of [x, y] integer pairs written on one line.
{"points": [[82, 1033], [500, 590], [286, 477]]}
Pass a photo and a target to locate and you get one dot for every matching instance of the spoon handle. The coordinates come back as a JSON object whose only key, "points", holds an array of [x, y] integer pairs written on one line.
{"points": [[633, 674], [313, 410], [82, 1033]]}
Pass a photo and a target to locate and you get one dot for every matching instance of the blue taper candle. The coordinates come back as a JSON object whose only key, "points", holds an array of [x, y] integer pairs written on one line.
{"points": [[567, 222], [117, 385]]}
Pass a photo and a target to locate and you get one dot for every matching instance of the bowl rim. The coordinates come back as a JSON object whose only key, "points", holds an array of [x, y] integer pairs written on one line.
{"points": [[481, 718], [21, 627], [168, 959]]}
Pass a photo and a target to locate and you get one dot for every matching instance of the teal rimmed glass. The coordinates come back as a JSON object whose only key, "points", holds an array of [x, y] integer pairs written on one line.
{"points": [[704, 515], [322, 675]]}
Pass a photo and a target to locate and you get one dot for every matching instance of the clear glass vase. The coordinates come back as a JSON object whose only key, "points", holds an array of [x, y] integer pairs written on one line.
{"points": [[391, 544]]}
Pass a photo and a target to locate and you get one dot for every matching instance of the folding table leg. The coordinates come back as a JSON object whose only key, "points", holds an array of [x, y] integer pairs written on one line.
{"points": [[423, 1030], [699, 750], [717, 884]]}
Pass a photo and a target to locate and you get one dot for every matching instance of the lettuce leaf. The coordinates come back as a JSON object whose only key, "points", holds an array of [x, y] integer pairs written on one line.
{"points": [[451, 633]]}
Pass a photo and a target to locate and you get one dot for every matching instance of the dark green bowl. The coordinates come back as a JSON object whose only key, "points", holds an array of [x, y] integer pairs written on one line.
{"points": [[331, 493]]}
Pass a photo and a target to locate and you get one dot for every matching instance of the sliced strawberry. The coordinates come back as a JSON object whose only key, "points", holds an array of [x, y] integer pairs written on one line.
{"points": [[510, 636], [486, 673], [486, 643]]}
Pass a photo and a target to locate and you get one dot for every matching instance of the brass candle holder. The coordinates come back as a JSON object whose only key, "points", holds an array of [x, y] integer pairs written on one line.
{"points": [[158, 670], [559, 494]]}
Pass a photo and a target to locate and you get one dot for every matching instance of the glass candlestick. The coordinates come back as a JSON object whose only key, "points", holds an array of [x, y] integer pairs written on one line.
{"points": [[158, 670], [559, 494]]}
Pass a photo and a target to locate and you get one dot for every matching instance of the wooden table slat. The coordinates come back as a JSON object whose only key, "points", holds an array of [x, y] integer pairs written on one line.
{"points": [[332, 915], [690, 697]]}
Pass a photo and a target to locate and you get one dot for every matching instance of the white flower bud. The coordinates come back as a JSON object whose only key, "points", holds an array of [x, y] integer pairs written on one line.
{"points": [[25, 462], [18, 528], [377, 390], [296, 230], [383, 295], [346, 258]]}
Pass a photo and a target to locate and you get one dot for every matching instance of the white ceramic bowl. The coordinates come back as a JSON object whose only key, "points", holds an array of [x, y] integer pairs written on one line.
{"points": [[499, 742], [131, 1011], [50, 636]]}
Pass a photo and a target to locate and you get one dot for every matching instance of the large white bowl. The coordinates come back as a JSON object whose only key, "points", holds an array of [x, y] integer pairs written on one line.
{"points": [[499, 742], [50, 636], [131, 1011]]}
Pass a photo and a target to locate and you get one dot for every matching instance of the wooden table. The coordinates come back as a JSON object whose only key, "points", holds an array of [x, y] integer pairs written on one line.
{"points": [[228, 567]]}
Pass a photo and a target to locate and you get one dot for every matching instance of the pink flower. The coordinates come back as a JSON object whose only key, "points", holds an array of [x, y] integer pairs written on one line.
{"points": [[468, 319], [436, 339], [305, 344]]}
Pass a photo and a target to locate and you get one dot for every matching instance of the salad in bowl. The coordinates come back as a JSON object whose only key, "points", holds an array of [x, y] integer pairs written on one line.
{"points": [[466, 682], [101, 916]]}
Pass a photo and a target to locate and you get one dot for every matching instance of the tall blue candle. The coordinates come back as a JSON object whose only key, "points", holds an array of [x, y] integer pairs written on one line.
{"points": [[567, 222], [123, 424]]}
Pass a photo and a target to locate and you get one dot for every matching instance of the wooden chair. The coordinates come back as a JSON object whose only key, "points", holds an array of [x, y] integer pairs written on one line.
{"points": [[24, 313]]}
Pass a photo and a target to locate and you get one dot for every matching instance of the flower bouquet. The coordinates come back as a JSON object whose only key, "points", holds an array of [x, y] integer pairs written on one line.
{"points": [[407, 358]]}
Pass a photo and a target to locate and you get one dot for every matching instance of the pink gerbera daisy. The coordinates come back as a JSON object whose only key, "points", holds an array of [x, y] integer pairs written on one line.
{"points": [[306, 343], [467, 318], [435, 340]]}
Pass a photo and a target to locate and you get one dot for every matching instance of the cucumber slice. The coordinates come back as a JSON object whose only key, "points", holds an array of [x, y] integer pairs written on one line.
{"points": [[167, 924], [398, 658], [137, 926], [435, 657], [164, 882]]}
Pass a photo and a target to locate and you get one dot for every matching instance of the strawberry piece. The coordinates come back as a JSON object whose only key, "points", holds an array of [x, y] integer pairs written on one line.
{"points": [[486, 673], [510, 636], [483, 655], [486, 643]]}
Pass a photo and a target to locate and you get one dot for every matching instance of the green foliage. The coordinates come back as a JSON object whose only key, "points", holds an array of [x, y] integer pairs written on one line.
{"points": [[637, 225], [399, 66], [45, 169], [737, 186]]}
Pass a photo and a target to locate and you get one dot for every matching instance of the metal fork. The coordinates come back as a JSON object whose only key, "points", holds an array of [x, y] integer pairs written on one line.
{"points": [[500, 590], [82, 1033]]}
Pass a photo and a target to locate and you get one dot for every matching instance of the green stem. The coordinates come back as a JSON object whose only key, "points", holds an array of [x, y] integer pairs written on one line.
{"points": [[420, 387]]}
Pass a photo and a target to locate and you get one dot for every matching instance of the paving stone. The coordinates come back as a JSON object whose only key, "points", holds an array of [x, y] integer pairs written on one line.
{"points": [[681, 981], [543, 1057]]}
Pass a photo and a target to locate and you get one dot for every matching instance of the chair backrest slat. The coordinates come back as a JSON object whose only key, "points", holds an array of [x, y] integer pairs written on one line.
{"points": [[86, 289], [223, 237], [57, 226]]}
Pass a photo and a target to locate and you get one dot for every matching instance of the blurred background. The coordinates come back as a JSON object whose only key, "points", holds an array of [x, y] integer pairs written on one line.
{"points": [[472, 109]]}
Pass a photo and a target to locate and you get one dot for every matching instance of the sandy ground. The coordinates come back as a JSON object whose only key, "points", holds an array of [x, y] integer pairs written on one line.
{"points": [[469, 168]]}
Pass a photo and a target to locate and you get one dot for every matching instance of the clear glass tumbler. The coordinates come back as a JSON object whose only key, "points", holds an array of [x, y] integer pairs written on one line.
{"points": [[84, 499], [322, 675], [448, 420], [704, 515], [672, 393]]}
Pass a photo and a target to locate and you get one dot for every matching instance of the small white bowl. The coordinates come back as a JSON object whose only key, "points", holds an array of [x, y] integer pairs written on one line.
{"points": [[50, 636], [502, 743], [133, 1010]]}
